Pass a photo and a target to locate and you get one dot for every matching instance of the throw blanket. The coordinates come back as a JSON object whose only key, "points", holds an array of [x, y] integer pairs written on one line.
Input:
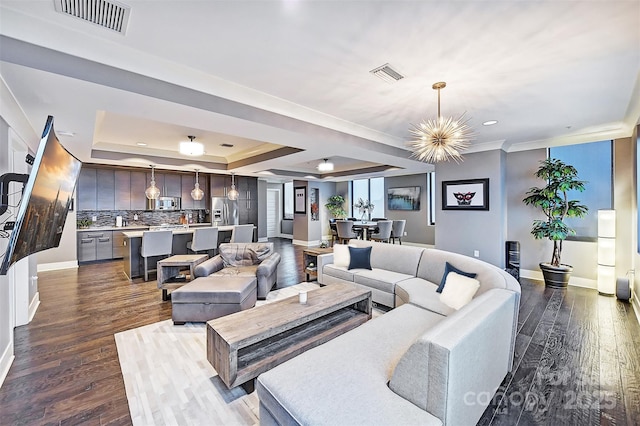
{"points": [[244, 254]]}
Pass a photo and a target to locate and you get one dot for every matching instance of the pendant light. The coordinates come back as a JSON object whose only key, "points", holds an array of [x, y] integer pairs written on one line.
{"points": [[442, 138], [152, 191], [327, 166], [196, 192], [233, 193]]}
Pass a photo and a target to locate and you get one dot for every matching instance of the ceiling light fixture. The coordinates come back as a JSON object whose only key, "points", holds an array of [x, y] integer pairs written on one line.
{"points": [[196, 192], [442, 138], [490, 123], [233, 192], [152, 191], [191, 148], [141, 144], [327, 166]]}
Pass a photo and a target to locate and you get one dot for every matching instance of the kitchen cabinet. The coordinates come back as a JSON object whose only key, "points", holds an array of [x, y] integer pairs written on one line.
{"points": [[188, 183], [87, 189], [122, 190], [172, 185], [106, 189], [118, 246], [94, 245], [138, 199], [220, 184]]}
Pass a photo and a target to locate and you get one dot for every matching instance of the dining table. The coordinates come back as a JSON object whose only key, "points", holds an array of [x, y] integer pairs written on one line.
{"points": [[365, 226]]}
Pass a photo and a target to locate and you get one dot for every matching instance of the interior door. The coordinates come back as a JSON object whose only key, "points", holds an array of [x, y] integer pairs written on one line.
{"points": [[273, 212]]}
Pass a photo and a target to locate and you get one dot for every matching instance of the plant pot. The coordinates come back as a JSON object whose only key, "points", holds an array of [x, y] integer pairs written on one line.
{"points": [[556, 276]]}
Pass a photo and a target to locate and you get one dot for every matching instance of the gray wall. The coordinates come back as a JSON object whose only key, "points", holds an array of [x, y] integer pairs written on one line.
{"points": [[6, 332], [466, 231], [417, 228]]}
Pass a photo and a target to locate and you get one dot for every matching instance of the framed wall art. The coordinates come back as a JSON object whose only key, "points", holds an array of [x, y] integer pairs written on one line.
{"points": [[472, 194], [407, 198], [300, 200]]}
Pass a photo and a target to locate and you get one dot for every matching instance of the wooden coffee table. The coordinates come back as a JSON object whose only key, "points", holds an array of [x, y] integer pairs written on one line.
{"points": [[170, 267], [240, 346]]}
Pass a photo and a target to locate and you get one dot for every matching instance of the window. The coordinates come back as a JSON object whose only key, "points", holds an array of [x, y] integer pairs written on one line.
{"points": [[288, 200], [594, 162], [368, 189], [431, 196]]}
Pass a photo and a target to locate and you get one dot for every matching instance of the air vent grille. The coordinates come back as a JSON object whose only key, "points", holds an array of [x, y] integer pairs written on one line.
{"points": [[387, 73], [108, 14]]}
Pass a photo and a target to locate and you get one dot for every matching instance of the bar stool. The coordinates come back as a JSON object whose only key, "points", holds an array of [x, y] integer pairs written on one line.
{"points": [[204, 239], [155, 243], [242, 234]]}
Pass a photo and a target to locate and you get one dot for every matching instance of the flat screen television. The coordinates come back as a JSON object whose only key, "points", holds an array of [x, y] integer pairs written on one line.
{"points": [[407, 198], [45, 200]]}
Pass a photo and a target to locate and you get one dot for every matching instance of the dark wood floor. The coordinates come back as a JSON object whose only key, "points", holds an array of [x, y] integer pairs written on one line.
{"points": [[577, 360]]}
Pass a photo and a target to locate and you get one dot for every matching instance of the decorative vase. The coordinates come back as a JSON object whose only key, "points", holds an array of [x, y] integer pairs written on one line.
{"points": [[556, 276]]}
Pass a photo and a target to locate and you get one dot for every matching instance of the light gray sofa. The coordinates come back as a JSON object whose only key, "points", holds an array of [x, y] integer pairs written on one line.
{"points": [[244, 259], [421, 363]]}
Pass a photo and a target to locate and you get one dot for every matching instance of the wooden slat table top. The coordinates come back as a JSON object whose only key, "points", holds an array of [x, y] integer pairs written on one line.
{"points": [[316, 251], [263, 321], [183, 260]]}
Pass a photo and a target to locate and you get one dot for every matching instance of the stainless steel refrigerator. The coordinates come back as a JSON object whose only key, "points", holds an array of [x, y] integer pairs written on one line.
{"points": [[224, 211]]}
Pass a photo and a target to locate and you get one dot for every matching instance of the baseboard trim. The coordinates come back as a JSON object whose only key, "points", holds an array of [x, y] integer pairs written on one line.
{"points": [[6, 360], [636, 306], [573, 281], [57, 266], [33, 306], [263, 240], [307, 243]]}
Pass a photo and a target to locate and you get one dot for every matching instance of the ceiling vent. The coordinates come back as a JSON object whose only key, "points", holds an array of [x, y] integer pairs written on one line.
{"points": [[108, 14], [387, 73]]}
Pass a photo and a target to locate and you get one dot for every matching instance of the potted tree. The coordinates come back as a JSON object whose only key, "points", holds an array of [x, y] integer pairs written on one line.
{"points": [[334, 205], [552, 199]]}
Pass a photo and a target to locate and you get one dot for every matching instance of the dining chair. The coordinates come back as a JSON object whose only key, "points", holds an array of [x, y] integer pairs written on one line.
{"points": [[204, 240], [384, 231], [242, 234], [155, 243], [397, 230], [378, 219], [334, 230], [345, 232]]}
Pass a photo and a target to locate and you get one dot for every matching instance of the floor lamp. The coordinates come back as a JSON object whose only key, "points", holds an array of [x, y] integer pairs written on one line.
{"points": [[607, 252]]}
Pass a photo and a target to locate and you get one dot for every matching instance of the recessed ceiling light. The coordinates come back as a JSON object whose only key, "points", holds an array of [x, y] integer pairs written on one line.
{"points": [[65, 133], [490, 123], [141, 144]]}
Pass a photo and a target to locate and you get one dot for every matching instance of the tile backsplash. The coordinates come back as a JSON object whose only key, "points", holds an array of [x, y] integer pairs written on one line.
{"points": [[108, 217]]}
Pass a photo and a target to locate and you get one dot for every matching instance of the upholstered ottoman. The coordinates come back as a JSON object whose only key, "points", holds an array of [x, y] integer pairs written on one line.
{"points": [[206, 298]]}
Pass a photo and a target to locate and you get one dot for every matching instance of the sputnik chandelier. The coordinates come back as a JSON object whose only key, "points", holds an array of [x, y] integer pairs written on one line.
{"points": [[442, 138]]}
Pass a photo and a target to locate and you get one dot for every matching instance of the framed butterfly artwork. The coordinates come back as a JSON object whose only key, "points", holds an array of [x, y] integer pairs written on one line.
{"points": [[471, 194]]}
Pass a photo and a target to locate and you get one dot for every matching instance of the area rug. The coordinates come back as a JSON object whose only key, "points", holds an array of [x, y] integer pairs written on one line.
{"points": [[169, 381]]}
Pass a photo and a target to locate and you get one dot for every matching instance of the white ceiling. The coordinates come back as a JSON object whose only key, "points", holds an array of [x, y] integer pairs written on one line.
{"points": [[287, 82]]}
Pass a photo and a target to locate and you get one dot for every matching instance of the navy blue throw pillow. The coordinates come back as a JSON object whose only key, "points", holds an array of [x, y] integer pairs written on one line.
{"points": [[450, 268], [360, 258]]}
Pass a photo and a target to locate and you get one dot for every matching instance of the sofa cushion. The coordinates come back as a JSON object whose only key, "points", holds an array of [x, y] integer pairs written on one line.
{"points": [[366, 356], [391, 257], [379, 279], [234, 271], [459, 290], [215, 289], [359, 258], [341, 272], [450, 268], [422, 293], [341, 255], [238, 254]]}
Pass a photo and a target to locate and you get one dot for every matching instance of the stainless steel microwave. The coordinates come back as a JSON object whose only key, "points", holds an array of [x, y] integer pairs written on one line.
{"points": [[164, 203]]}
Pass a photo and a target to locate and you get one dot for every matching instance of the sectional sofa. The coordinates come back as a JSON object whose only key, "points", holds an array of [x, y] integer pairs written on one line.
{"points": [[425, 362]]}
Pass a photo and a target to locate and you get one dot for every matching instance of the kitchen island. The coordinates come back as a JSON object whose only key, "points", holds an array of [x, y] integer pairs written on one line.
{"points": [[133, 262]]}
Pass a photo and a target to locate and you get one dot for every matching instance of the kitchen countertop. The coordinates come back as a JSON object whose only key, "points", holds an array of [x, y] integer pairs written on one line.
{"points": [[134, 227], [138, 234]]}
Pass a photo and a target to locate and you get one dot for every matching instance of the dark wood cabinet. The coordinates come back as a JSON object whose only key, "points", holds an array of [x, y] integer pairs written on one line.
{"points": [[122, 190], [172, 185], [138, 199], [220, 184], [188, 183], [87, 189]]}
